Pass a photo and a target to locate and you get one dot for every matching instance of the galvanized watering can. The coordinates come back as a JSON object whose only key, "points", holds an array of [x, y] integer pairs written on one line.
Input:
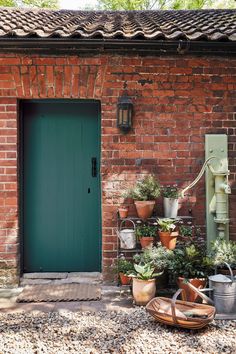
{"points": [[224, 292], [127, 236]]}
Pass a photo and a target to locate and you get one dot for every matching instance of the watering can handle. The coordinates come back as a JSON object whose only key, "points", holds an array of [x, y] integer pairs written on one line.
{"points": [[231, 272], [125, 221]]}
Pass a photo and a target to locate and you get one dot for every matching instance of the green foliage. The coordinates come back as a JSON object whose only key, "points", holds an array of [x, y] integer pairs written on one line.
{"points": [[165, 4], [223, 251], [146, 189], [190, 262], [166, 225], [50, 4], [170, 192], [146, 231], [132, 4], [144, 272], [186, 230], [8, 3], [124, 266], [158, 257]]}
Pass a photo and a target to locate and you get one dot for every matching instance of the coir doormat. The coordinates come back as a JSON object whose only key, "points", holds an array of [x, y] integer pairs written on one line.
{"points": [[61, 292]]}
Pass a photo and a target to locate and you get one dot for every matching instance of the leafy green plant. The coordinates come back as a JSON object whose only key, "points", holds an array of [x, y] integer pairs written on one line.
{"points": [[158, 257], [190, 262], [146, 231], [166, 225], [223, 251], [124, 266], [144, 272], [146, 189], [186, 230], [170, 192]]}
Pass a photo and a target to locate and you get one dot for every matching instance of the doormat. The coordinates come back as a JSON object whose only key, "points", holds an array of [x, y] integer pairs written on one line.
{"points": [[61, 292]]}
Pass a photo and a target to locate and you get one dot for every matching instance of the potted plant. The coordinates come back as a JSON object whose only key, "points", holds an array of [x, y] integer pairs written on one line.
{"points": [[190, 264], [159, 257], [170, 201], [144, 194], [123, 268], [123, 211], [144, 283], [168, 236], [186, 232], [223, 251], [146, 234]]}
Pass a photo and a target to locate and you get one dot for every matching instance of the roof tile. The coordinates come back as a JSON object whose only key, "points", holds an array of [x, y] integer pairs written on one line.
{"points": [[210, 25]]}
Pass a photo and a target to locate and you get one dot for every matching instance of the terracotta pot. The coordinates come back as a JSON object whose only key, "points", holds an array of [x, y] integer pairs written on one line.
{"points": [[188, 294], [143, 290], [146, 242], [168, 239], [124, 279], [123, 212], [144, 208]]}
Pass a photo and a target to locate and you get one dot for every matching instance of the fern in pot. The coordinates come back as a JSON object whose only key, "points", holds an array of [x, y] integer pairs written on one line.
{"points": [[144, 194]]}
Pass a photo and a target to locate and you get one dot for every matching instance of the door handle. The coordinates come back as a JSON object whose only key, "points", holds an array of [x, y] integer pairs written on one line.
{"points": [[94, 166]]}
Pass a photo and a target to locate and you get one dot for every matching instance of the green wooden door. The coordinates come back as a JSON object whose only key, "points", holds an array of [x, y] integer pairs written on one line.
{"points": [[61, 186]]}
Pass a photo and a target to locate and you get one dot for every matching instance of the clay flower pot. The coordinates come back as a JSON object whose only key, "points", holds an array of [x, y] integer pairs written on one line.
{"points": [[123, 212], [143, 290], [146, 242], [168, 239], [124, 279], [188, 294], [144, 208]]}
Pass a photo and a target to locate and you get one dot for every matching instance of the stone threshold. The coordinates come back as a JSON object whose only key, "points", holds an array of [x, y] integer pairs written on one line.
{"points": [[60, 278]]}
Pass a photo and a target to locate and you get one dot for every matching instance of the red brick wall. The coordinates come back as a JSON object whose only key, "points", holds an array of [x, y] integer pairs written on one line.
{"points": [[177, 100]]}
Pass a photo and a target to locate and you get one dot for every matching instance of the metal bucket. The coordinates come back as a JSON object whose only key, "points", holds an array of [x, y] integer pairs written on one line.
{"points": [[224, 292], [127, 236]]}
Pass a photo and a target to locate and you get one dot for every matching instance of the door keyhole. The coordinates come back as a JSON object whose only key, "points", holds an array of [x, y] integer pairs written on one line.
{"points": [[88, 190]]}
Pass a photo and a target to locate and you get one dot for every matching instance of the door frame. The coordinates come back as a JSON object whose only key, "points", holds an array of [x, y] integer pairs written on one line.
{"points": [[20, 168]]}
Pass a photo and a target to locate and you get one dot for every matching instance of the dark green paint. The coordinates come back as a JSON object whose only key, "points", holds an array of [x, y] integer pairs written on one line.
{"points": [[61, 220]]}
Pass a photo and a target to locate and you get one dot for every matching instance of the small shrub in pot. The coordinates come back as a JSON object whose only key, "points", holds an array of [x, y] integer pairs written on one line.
{"points": [[146, 234], [144, 194]]}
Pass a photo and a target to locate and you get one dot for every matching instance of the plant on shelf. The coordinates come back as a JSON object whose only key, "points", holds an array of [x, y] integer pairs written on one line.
{"points": [[123, 267], [123, 211], [168, 235], [144, 194], [170, 200], [190, 264], [146, 234], [144, 283], [186, 231], [223, 251]]}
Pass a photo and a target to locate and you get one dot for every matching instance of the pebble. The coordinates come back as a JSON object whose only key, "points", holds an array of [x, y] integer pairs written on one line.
{"points": [[133, 332]]}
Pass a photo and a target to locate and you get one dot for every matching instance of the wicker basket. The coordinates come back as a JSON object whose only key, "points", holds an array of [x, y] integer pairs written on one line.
{"points": [[180, 313]]}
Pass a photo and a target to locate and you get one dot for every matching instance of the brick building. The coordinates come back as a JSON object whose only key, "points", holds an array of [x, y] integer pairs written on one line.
{"points": [[61, 76]]}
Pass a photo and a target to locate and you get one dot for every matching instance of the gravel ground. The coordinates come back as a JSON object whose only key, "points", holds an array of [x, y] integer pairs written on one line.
{"points": [[108, 332]]}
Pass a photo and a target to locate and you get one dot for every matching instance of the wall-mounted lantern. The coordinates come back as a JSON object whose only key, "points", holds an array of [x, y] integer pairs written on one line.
{"points": [[124, 113]]}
